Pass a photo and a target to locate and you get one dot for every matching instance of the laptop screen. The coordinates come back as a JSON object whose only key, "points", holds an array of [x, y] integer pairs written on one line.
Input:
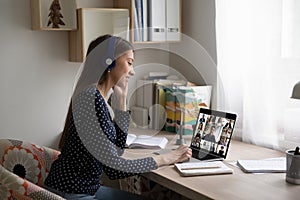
{"points": [[212, 134]]}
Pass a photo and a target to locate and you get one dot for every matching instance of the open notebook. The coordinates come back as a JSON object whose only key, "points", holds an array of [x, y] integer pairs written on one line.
{"points": [[212, 134], [145, 141]]}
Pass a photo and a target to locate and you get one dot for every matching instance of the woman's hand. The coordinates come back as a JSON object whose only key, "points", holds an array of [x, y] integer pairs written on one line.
{"points": [[181, 154], [120, 94], [121, 87]]}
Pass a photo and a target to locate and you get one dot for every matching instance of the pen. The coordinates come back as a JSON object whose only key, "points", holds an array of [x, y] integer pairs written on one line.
{"points": [[297, 151], [204, 167]]}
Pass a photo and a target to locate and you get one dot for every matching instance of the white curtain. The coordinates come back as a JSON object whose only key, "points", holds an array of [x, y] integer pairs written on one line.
{"points": [[258, 65]]}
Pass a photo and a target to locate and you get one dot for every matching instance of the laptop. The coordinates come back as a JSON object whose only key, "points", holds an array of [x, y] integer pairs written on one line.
{"points": [[212, 135]]}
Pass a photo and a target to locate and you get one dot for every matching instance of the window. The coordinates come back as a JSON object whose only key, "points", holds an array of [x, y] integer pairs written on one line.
{"points": [[258, 68]]}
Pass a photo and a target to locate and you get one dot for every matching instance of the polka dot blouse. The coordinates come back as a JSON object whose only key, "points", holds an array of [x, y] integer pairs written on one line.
{"points": [[95, 145]]}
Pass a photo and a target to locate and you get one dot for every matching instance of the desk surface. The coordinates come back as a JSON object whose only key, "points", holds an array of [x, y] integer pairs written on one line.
{"points": [[238, 185]]}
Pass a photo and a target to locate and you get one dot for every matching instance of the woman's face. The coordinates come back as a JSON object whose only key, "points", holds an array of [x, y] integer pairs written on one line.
{"points": [[124, 68]]}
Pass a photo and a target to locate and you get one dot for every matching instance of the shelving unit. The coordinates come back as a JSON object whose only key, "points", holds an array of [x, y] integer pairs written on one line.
{"points": [[86, 24], [171, 20], [127, 4], [93, 22], [40, 10]]}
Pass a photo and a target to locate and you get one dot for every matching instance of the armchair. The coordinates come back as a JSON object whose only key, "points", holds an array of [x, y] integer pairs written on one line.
{"points": [[24, 167]]}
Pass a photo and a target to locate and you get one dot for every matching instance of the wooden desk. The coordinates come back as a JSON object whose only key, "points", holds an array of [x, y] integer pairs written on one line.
{"points": [[238, 185]]}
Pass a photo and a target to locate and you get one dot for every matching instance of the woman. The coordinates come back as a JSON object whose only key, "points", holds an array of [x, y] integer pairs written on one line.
{"points": [[94, 135]]}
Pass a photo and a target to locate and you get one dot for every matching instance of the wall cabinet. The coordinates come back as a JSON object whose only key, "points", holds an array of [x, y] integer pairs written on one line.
{"points": [[93, 22], [43, 14], [153, 20]]}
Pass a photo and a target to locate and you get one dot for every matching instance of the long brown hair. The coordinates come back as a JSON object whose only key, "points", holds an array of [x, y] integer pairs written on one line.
{"points": [[120, 47]]}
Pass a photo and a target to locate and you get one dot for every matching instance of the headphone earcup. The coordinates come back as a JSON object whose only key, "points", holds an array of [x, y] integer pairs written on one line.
{"points": [[112, 65], [109, 59]]}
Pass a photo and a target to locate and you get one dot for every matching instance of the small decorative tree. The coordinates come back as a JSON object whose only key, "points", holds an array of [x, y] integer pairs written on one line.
{"points": [[55, 15]]}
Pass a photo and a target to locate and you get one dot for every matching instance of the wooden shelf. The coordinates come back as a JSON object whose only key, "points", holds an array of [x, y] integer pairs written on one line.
{"points": [[127, 4], [40, 11], [93, 22]]}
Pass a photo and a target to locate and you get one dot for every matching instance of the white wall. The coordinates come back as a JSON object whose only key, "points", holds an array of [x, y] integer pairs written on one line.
{"points": [[199, 23], [198, 47], [36, 78]]}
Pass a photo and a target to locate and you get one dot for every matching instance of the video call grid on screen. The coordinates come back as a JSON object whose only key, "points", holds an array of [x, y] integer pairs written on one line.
{"points": [[212, 134]]}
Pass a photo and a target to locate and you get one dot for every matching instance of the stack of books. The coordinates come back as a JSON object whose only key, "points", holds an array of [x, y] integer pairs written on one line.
{"points": [[165, 100]]}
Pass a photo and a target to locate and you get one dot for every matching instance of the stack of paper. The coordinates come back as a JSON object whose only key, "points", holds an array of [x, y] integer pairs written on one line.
{"points": [[263, 166]]}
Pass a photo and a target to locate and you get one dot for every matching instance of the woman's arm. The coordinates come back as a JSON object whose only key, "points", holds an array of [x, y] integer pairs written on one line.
{"points": [[98, 134]]}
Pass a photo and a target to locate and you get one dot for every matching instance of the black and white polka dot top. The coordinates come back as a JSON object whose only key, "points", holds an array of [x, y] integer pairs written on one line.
{"points": [[95, 144]]}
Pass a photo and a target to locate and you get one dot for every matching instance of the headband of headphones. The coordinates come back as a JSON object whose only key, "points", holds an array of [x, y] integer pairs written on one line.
{"points": [[109, 58]]}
